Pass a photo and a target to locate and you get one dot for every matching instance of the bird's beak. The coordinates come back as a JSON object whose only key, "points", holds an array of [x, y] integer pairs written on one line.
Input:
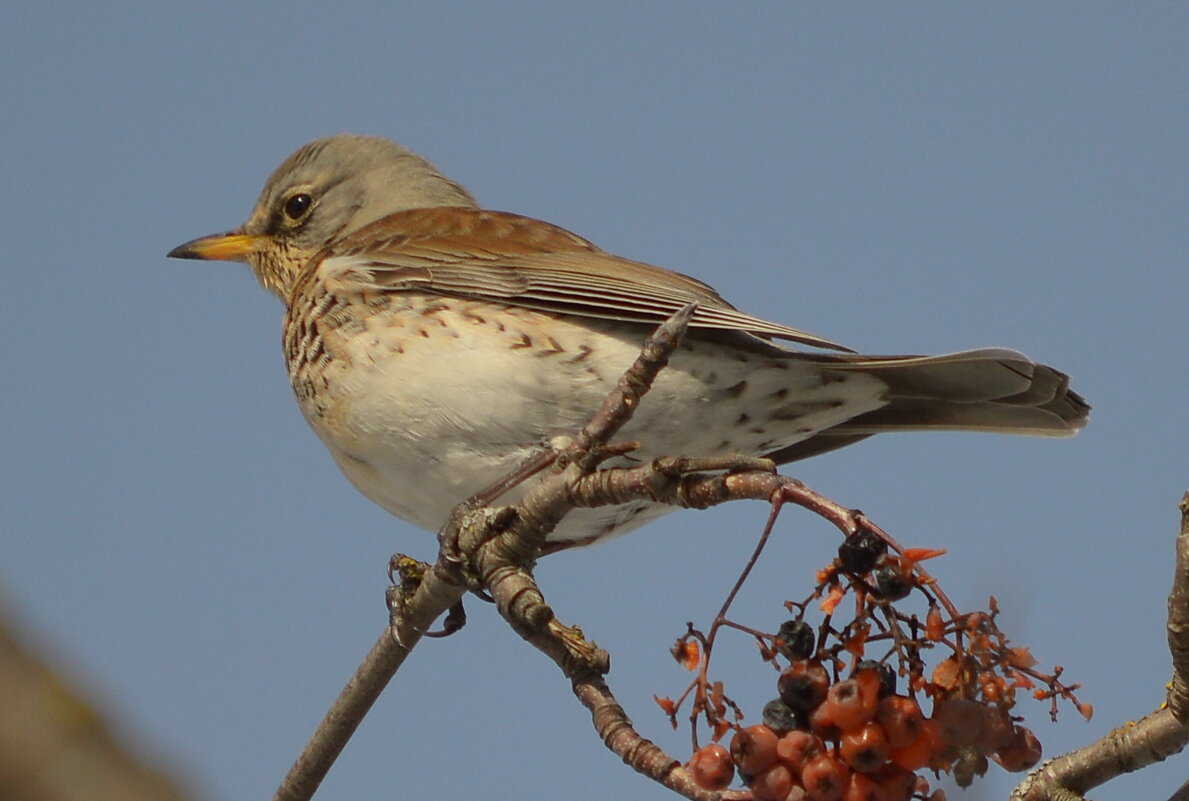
{"points": [[229, 246]]}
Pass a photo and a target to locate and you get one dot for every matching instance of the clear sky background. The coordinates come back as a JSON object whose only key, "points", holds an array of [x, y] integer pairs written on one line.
{"points": [[901, 178]]}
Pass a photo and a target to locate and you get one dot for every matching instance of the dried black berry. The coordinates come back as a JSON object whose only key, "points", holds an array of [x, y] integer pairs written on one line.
{"points": [[859, 552], [804, 685], [891, 583], [778, 716], [795, 640]]}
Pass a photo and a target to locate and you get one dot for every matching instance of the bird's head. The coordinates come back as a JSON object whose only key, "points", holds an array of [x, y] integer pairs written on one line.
{"points": [[325, 190]]}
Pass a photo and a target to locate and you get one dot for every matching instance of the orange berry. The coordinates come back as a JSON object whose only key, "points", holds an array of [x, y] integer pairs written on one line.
{"points": [[825, 778], [804, 685], [870, 681], [711, 767], [919, 752], [865, 749], [797, 747], [773, 783], [887, 675], [753, 748], [897, 783], [863, 788], [901, 718], [822, 724], [848, 706], [1021, 753]]}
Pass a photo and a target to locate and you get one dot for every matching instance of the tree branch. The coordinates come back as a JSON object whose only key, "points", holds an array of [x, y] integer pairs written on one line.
{"points": [[1153, 738]]}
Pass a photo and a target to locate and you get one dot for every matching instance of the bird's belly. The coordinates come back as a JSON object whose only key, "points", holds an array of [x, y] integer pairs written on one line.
{"points": [[426, 410]]}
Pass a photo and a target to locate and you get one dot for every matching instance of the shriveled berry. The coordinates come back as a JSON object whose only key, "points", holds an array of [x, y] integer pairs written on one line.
{"points": [[796, 640], [773, 783], [825, 778], [848, 706], [960, 721], [711, 767], [997, 732], [859, 552], [779, 716], [804, 685], [866, 748], [754, 748], [1021, 753], [798, 747], [969, 764], [901, 718]]}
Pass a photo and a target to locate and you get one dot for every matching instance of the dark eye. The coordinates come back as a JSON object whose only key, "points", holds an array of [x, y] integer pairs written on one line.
{"points": [[297, 206]]}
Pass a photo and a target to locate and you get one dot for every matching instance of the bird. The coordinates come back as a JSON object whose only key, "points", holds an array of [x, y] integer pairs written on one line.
{"points": [[434, 345]]}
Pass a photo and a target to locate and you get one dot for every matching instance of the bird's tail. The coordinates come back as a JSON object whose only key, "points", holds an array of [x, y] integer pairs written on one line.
{"points": [[991, 389]]}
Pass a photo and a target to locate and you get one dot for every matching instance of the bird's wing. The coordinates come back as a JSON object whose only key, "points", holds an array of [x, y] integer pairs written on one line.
{"points": [[507, 258]]}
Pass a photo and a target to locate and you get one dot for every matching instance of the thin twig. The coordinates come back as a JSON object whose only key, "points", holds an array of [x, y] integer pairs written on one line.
{"points": [[432, 597]]}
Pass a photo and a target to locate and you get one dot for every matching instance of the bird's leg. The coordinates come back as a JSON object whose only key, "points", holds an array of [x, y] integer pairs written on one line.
{"points": [[524, 471]]}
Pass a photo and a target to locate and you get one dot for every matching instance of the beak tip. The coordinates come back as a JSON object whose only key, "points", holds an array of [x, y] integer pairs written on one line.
{"points": [[231, 246]]}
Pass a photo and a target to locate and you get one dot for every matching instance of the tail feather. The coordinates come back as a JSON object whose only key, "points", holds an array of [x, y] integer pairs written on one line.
{"points": [[992, 389]]}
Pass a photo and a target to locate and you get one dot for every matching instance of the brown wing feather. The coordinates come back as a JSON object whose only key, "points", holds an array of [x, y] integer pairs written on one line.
{"points": [[525, 262]]}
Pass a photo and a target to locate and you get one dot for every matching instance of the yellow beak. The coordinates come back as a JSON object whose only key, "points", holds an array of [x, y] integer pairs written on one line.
{"points": [[230, 246]]}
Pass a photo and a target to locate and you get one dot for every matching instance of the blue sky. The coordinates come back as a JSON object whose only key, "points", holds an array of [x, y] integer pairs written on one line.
{"points": [[899, 178]]}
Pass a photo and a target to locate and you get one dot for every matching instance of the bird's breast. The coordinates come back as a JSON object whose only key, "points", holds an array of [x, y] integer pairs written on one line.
{"points": [[423, 400]]}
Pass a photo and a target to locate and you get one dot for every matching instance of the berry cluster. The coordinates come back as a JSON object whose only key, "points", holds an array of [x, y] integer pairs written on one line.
{"points": [[839, 729], [856, 739]]}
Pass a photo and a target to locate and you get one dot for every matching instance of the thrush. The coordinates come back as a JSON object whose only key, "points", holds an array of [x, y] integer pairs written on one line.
{"points": [[434, 345]]}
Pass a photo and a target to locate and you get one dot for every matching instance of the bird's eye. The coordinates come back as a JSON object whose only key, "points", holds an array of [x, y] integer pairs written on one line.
{"points": [[296, 206]]}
